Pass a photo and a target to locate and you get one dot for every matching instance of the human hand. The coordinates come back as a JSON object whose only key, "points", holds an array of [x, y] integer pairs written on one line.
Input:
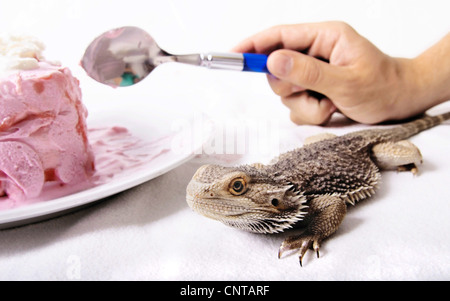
{"points": [[321, 68]]}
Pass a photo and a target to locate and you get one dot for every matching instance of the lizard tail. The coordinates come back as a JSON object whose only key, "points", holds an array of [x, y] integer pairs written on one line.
{"points": [[414, 127], [402, 131]]}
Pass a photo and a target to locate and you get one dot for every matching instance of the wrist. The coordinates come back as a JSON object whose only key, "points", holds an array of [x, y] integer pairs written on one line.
{"points": [[431, 72], [433, 79], [419, 88], [408, 91]]}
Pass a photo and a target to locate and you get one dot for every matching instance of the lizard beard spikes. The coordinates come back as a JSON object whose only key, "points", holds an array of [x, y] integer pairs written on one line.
{"points": [[268, 222]]}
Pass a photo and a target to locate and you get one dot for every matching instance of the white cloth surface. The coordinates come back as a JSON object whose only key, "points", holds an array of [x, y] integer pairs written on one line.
{"points": [[149, 233]]}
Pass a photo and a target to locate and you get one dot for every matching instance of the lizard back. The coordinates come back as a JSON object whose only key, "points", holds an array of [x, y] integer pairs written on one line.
{"points": [[343, 165]]}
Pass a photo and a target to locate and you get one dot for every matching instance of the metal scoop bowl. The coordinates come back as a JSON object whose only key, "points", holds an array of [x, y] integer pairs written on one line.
{"points": [[125, 56]]}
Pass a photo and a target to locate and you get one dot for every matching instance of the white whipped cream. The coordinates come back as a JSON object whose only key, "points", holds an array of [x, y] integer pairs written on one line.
{"points": [[19, 53]]}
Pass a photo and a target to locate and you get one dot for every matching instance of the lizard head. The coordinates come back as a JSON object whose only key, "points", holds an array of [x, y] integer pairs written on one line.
{"points": [[245, 197]]}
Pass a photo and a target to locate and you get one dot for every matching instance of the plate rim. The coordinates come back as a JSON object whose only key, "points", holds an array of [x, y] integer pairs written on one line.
{"points": [[83, 197]]}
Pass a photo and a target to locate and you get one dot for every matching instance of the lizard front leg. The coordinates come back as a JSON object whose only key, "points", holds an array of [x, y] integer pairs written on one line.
{"points": [[326, 214]]}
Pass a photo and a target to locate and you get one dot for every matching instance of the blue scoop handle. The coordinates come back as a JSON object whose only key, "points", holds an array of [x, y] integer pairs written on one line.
{"points": [[255, 62]]}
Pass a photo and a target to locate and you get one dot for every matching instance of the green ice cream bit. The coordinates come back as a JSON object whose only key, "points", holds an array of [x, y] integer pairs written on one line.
{"points": [[127, 79]]}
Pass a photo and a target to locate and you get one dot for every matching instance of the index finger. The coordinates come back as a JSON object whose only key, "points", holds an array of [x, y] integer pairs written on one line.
{"points": [[318, 39]]}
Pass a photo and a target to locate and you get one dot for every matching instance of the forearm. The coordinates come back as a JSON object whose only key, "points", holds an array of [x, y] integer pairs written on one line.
{"points": [[432, 72]]}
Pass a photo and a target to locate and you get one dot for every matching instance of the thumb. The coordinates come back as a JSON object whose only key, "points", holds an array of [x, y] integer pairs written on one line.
{"points": [[302, 70]]}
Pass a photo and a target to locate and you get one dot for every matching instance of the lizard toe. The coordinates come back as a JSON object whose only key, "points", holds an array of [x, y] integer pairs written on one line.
{"points": [[300, 243]]}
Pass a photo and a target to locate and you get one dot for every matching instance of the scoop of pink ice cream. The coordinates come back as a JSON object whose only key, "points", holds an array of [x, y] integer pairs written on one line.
{"points": [[43, 133]]}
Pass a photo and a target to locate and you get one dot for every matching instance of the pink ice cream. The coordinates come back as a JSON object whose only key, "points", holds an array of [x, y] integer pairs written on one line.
{"points": [[44, 147], [43, 133]]}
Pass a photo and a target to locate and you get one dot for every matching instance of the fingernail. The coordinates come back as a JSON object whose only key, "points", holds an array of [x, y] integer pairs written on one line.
{"points": [[281, 64]]}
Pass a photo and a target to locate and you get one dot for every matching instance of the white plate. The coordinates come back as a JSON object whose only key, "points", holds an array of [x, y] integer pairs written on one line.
{"points": [[147, 120]]}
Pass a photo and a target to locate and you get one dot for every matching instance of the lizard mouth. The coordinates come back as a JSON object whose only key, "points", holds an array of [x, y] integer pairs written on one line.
{"points": [[215, 208]]}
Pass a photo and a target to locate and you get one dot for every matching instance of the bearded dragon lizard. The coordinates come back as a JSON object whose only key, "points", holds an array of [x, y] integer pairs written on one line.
{"points": [[308, 186]]}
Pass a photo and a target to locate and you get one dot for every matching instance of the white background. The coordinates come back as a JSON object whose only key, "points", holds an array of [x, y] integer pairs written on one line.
{"points": [[150, 233]]}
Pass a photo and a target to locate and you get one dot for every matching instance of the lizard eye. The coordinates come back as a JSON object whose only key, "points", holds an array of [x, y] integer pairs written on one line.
{"points": [[238, 186]]}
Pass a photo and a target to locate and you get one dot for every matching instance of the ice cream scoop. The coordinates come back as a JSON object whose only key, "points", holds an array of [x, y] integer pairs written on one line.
{"points": [[125, 56]]}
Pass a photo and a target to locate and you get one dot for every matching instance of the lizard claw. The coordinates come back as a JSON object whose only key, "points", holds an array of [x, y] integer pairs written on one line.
{"points": [[301, 243], [316, 247], [303, 248]]}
